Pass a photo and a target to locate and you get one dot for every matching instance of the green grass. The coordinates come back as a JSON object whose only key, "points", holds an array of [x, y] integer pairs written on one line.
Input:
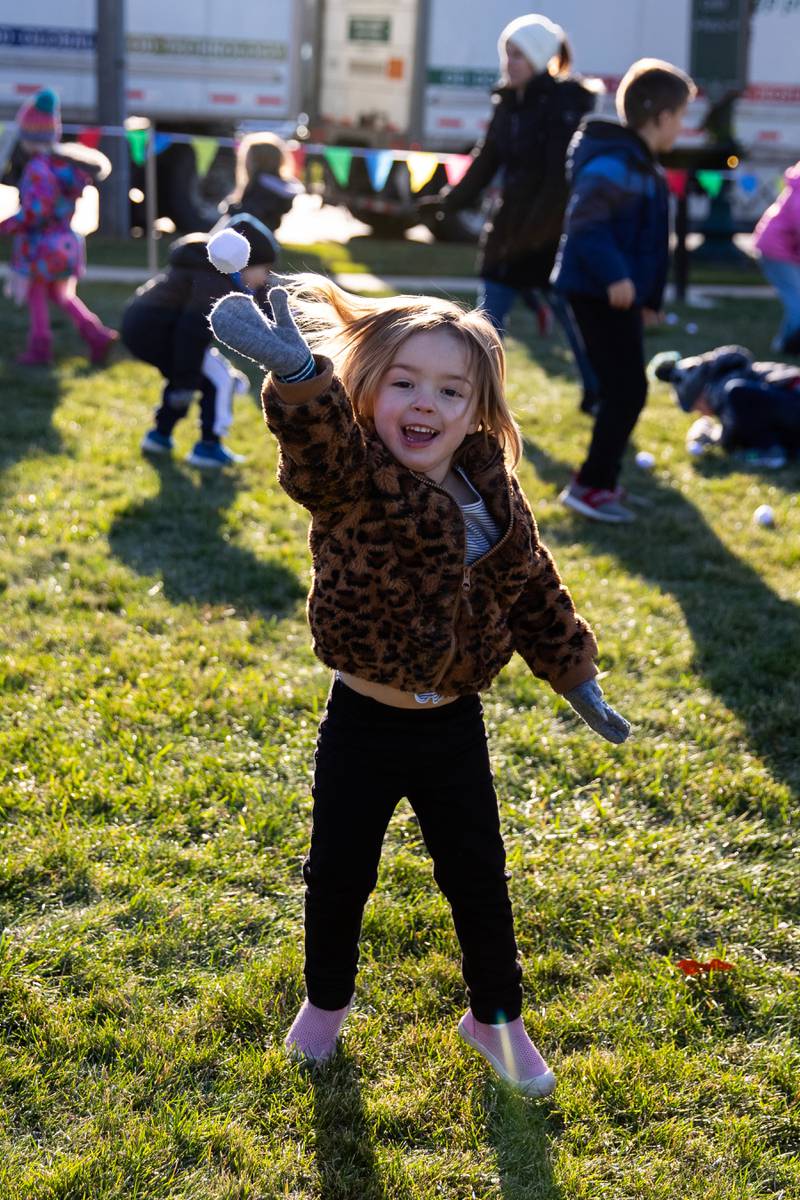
{"points": [[368, 254], [158, 708]]}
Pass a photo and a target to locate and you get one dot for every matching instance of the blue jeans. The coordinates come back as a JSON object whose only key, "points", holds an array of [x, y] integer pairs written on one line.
{"points": [[785, 278], [497, 300]]}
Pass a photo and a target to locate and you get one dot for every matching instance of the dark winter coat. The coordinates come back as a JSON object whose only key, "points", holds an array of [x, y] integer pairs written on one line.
{"points": [[757, 403], [617, 221], [527, 142], [266, 197], [178, 302], [392, 600]]}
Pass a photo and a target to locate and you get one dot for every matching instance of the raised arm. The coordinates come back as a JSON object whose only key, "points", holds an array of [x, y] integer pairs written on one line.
{"points": [[323, 456]]}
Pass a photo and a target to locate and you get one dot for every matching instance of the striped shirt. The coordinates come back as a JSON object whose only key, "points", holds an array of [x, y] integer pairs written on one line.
{"points": [[482, 533]]}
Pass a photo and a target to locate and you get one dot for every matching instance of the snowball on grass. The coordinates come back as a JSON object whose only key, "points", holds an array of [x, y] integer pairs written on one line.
{"points": [[229, 251], [764, 515], [645, 460]]}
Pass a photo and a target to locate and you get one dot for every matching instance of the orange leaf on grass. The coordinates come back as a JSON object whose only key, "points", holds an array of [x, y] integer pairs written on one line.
{"points": [[690, 966]]}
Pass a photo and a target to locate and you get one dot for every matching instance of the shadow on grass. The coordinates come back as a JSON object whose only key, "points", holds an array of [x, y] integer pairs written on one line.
{"points": [[746, 638], [343, 1143], [521, 1130], [178, 535], [720, 466], [30, 396]]}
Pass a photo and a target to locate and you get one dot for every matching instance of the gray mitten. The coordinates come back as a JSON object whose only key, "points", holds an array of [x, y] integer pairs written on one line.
{"points": [[587, 700], [277, 345]]}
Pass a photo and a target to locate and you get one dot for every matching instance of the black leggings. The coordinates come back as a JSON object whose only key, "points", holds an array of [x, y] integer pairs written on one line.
{"points": [[614, 343], [368, 757]]}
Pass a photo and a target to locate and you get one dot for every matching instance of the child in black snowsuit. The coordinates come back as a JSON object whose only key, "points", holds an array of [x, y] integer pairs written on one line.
{"points": [[756, 404], [166, 324]]}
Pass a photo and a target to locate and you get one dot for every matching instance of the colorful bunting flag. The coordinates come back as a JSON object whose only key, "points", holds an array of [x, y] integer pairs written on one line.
{"points": [[456, 167], [379, 164], [677, 182], [205, 151], [137, 141], [748, 184], [420, 169], [711, 182], [339, 159], [90, 136], [298, 154], [160, 142]]}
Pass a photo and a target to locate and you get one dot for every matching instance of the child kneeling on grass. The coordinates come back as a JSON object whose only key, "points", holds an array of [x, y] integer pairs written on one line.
{"points": [[748, 408], [166, 324], [428, 574]]}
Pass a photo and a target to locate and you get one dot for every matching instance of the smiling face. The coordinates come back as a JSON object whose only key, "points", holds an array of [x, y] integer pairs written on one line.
{"points": [[426, 403]]}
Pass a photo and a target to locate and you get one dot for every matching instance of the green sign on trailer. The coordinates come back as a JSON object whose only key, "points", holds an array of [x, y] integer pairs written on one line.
{"points": [[720, 29], [369, 29]]}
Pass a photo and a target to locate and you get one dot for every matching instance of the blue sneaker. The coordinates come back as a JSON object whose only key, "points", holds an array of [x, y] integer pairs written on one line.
{"points": [[213, 456], [156, 443]]}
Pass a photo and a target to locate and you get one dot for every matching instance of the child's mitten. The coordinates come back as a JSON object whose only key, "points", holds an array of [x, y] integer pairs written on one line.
{"points": [[277, 345], [587, 700]]}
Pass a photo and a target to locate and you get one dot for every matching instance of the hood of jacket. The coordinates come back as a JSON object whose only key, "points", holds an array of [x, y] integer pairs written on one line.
{"points": [[599, 136], [191, 252]]}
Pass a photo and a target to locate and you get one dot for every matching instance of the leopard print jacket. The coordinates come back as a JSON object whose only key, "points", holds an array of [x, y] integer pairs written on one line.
{"points": [[392, 600]]}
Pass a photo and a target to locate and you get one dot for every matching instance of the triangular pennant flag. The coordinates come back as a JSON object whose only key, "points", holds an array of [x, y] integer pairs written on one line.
{"points": [[711, 182], [160, 142], [379, 164], [89, 137], [298, 154], [677, 182], [137, 140], [420, 169], [205, 151], [748, 184], [339, 159], [456, 167]]}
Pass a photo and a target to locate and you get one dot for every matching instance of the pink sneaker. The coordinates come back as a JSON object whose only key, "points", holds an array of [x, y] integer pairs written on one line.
{"points": [[511, 1052], [315, 1032]]}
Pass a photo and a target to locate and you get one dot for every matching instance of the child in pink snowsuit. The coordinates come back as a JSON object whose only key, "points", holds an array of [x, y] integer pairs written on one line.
{"points": [[47, 256], [777, 239]]}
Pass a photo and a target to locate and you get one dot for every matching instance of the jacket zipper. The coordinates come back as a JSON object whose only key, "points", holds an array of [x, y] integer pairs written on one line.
{"points": [[466, 582]]}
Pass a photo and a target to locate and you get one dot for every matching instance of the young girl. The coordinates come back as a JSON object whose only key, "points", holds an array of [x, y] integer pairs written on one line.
{"points": [[777, 240], [46, 253], [428, 574], [265, 184]]}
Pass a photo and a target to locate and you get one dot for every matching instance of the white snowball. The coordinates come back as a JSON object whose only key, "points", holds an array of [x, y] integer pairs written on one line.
{"points": [[229, 251], [645, 460], [764, 515]]}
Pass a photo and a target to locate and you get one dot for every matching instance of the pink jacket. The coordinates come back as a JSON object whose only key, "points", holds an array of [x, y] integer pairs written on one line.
{"points": [[777, 234]]}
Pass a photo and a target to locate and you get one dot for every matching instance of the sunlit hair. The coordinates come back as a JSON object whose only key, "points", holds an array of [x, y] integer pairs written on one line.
{"points": [[363, 336], [260, 154], [649, 88], [560, 65]]}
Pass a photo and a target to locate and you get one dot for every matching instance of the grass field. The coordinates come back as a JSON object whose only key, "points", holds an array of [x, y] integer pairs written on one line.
{"points": [[159, 703]]}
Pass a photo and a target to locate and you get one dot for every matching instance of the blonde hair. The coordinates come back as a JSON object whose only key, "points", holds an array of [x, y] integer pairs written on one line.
{"points": [[363, 335], [260, 154]]}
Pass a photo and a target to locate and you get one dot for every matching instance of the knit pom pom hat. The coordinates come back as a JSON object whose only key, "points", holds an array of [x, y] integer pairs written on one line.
{"points": [[536, 36], [39, 119]]}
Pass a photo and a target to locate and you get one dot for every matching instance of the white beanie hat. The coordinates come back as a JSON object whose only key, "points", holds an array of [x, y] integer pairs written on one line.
{"points": [[536, 36]]}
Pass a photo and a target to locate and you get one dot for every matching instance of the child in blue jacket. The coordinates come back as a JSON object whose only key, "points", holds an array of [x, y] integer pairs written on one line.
{"points": [[612, 263]]}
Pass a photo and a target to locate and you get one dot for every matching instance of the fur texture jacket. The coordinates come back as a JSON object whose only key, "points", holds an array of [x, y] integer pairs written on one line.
{"points": [[392, 600]]}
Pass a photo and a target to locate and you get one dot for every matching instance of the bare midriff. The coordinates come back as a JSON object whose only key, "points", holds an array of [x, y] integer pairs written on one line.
{"points": [[389, 695]]}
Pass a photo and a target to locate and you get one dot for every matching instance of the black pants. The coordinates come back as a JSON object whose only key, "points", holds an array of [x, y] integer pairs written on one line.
{"points": [[760, 415], [154, 342], [614, 344], [368, 757]]}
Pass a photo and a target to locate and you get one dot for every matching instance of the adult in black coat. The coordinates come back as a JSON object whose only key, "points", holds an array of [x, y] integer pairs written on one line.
{"points": [[537, 108]]}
